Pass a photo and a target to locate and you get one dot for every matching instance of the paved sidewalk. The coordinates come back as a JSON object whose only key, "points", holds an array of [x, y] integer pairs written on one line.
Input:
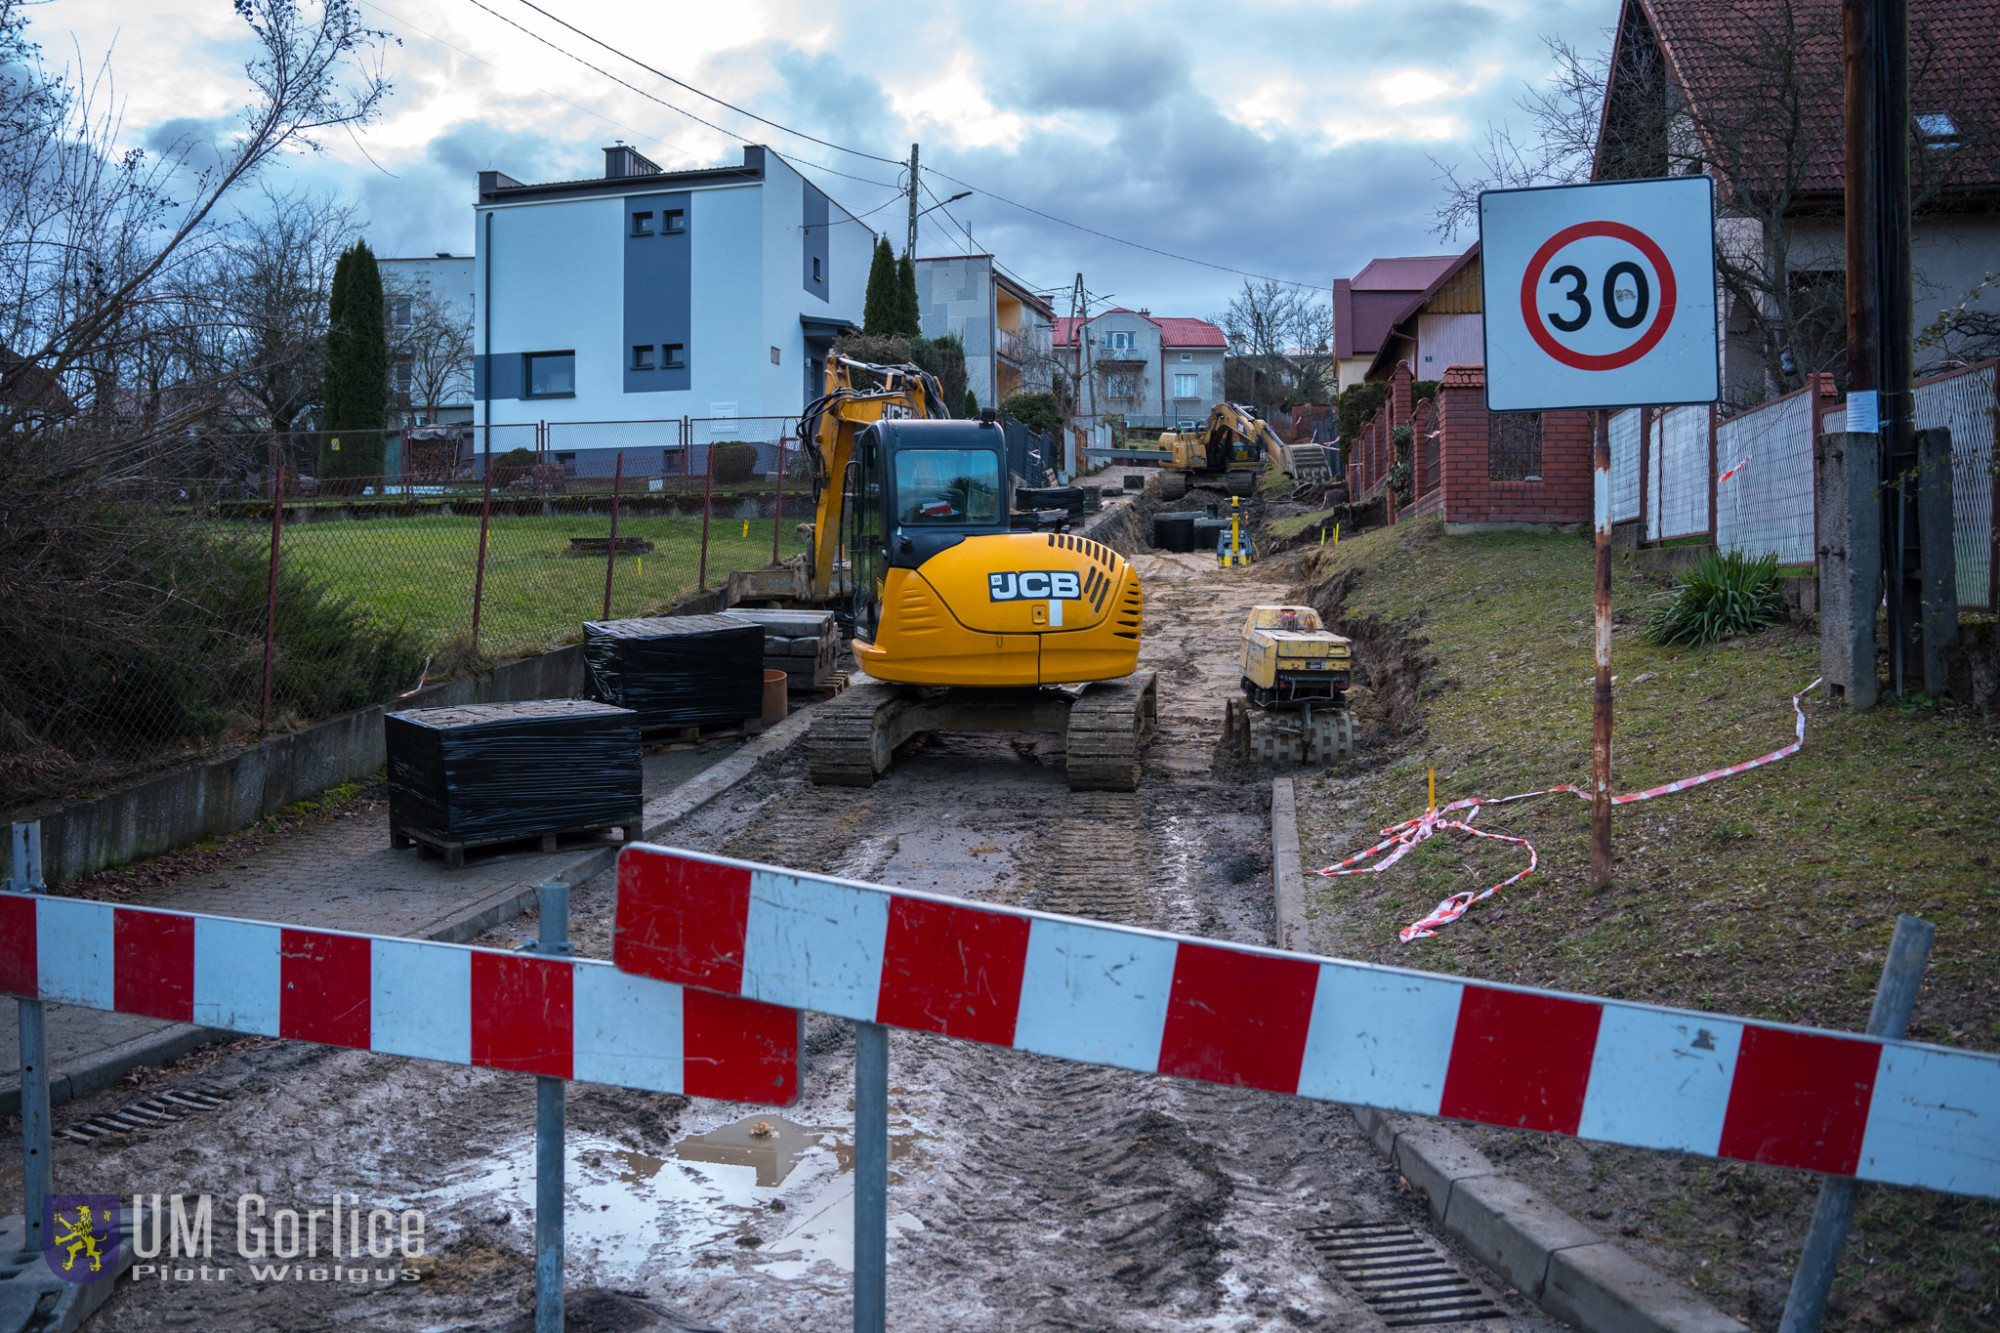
{"points": [[341, 876]]}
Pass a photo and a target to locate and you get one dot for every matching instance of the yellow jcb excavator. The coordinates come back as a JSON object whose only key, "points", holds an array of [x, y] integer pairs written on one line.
{"points": [[960, 621], [1229, 451]]}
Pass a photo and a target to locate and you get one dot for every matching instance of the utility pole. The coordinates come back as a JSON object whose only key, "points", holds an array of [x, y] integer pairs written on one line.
{"points": [[1079, 303], [911, 251]]}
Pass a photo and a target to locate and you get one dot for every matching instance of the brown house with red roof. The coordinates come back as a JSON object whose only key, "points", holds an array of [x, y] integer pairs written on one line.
{"points": [[1749, 91], [1155, 371], [1367, 306]]}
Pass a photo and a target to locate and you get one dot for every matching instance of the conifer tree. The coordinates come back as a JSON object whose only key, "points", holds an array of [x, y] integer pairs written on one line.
{"points": [[971, 410], [909, 319], [880, 316], [356, 401]]}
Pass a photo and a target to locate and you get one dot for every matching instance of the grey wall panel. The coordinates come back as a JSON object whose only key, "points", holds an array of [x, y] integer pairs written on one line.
{"points": [[505, 368], [815, 244], [657, 284]]}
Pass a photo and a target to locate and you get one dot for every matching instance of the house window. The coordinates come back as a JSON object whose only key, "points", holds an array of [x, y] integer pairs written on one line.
{"points": [[675, 358], [1514, 446], [1120, 341], [1936, 129], [399, 312], [816, 262], [1187, 356], [674, 221], [642, 357], [1121, 386], [551, 374], [1184, 386], [774, 356], [642, 223], [399, 372]]}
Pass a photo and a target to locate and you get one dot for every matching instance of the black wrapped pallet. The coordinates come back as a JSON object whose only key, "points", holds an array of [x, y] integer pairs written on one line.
{"points": [[678, 671], [487, 773], [1174, 532]]}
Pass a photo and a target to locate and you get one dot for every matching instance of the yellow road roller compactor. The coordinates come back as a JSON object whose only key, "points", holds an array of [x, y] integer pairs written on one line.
{"points": [[961, 620]]}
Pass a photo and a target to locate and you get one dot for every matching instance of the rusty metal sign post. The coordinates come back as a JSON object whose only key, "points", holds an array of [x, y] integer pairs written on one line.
{"points": [[1600, 711]]}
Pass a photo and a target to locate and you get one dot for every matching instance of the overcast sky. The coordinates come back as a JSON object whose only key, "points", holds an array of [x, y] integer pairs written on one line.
{"points": [[1290, 139]]}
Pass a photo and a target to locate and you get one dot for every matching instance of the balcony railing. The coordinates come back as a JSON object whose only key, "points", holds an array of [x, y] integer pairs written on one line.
{"points": [[1021, 349]]}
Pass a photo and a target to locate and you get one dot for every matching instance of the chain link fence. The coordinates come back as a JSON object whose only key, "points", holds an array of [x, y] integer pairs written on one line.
{"points": [[278, 596]]}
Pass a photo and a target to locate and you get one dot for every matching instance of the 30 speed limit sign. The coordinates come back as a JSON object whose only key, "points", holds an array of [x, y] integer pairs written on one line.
{"points": [[1599, 295]]}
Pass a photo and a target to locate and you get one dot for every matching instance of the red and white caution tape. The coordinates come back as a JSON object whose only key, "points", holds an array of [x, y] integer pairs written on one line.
{"points": [[422, 676], [1732, 472], [1402, 839]]}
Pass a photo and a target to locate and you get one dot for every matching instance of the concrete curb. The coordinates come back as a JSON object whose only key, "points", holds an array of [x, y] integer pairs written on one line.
{"points": [[1542, 1252], [109, 1065], [1287, 873]]}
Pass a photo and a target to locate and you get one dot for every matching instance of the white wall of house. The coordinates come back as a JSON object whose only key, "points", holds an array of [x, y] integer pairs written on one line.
{"points": [[557, 271], [1444, 341]]}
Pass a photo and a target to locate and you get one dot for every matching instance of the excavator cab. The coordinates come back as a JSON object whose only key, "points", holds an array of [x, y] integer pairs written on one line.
{"points": [[919, 488]]}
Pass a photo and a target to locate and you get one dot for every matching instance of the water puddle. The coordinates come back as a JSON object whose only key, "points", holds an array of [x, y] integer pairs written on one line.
{"points": [[759, 1194]]}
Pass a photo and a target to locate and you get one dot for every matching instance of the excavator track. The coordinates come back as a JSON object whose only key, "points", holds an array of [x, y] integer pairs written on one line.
{"points": [[855, 734], [1108, 725], [849, 743]]}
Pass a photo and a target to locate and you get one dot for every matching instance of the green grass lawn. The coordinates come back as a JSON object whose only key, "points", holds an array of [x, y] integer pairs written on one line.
{"points": [[420, 571], [1770, 894]]}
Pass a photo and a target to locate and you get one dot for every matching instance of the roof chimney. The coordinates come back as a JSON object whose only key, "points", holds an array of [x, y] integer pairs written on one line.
{"points": [[622, 160], [1145, 313]]}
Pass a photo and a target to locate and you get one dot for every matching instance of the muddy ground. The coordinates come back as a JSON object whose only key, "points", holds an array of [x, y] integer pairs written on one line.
{"points": [[1025, 1194]]}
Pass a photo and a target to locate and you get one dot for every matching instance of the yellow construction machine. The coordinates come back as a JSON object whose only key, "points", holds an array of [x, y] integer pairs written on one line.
{"points": [[1295, 676], [961, 622], [1229, 451]]}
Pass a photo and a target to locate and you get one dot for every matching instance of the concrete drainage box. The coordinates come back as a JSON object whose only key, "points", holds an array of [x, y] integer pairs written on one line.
{"points": [[487, 773], [678, 671]]}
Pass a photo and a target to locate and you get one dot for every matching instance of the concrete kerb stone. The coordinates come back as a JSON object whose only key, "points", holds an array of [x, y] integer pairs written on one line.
{"points": [[1544, 1253], [1287, 874], [170, 1043]]}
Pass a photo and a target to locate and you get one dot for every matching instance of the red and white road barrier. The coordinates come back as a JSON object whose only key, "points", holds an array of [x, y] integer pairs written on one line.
{"points": [[1402, 839], [570, 1018], [1899, 1112]]}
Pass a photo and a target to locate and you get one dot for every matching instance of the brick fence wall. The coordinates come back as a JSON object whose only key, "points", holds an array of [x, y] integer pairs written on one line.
{"points": [[1470, 495]]}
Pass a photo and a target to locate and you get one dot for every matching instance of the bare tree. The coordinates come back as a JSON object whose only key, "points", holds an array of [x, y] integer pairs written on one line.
{"points": [[276, 271], [430, 353], [1281, 344], [118, 613]]}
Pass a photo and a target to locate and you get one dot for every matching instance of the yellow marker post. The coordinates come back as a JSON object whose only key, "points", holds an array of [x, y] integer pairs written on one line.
{"points": [[1336, 534], [1434, 790], [642, 566], [746, 527]]}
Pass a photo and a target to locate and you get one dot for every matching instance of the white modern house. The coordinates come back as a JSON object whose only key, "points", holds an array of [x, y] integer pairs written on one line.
{"points": [[1004, 326], [615, 309]]}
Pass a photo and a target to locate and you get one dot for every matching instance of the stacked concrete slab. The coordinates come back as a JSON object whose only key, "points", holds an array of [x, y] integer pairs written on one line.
{"points": [[805, 645]]}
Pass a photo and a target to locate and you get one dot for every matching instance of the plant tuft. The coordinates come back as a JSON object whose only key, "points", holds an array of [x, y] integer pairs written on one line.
{"points": [[1722, 596]]}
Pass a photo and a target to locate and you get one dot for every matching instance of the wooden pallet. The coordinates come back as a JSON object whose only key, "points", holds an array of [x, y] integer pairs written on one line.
{"points": [[834, 684], [655, 739], [453, 850]]}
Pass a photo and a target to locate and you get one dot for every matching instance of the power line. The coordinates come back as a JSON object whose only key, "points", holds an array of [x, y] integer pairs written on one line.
{"points": [[599, 69], [680, 83], [1136, 245], [856, 152]]}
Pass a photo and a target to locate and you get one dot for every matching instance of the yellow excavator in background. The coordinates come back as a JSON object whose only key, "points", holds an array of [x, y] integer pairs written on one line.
{"points": [[1229, 451], [961, 622]]}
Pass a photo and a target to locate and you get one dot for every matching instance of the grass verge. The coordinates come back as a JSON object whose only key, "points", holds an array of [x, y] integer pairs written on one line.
{"points": [[1770, 894]]}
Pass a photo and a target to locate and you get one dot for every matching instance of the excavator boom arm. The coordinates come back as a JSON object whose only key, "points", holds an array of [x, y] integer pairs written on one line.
{"points": [[828, 430]]}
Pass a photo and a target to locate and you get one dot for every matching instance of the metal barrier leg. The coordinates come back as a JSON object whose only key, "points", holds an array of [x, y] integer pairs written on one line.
{"points": [[871, 1176], [1895, 996], [26, 877], [554, 939]]}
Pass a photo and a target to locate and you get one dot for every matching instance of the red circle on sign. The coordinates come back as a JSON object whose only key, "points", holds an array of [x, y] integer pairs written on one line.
{"points": [[1646, 342]]}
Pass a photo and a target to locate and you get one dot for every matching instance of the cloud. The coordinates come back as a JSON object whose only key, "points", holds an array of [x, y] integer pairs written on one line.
{"points": [[1276, 137]]}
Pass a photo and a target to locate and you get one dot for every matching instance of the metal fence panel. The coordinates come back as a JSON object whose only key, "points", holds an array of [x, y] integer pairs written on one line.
{"points": [[1624, 433], [1683, 475], [1765, 505], [1964, 405]]}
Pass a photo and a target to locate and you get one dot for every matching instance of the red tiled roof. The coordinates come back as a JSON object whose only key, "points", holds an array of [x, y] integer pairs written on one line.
{"points": [[1174, 331], [1465, 377], [1720, 52]]}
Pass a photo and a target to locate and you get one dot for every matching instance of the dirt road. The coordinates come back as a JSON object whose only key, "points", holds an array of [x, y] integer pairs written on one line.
{"points": [[1025, 1193]]}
